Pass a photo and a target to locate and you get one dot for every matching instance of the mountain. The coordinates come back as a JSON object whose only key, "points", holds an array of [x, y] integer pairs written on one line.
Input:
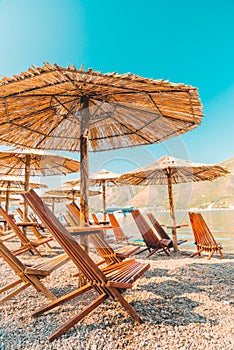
{"points": [[207, 194]]}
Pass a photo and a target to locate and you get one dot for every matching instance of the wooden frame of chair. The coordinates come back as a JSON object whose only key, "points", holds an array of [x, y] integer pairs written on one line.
{"points": [[162, 233], [153, 243], [111, 281], [29, 276], [204, 239], [118, 232], [34, 229], [26, 243]]}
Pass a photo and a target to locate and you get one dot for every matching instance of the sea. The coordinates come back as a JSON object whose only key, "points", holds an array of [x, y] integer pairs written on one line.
{"points": [[220, 222]]}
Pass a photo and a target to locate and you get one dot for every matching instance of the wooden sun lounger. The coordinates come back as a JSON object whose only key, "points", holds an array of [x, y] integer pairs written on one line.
{"points": [[153, 244], [27, 245], [111, 281], [162, 233], [29, 276], [34, 229], [109, 255], [204, 239], [118, 232], [97, 221]]}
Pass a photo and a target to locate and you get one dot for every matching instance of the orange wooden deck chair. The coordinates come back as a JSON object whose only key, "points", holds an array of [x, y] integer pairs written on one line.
{"points": [[26, 243], [162, 233], [152, 242], [111, 281], [204, 239], [109, 255], [118, 232], [34, 229], [29, 275]]}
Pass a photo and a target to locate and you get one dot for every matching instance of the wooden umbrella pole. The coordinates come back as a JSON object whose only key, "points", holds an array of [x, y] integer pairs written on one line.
{"points": [[172, 212], [104, 200], [7, 203], [7, 197], [26, 186], [84, 168], [52, 206]]}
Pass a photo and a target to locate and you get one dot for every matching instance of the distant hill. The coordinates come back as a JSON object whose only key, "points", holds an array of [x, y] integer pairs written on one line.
{"points": [[216, 194]]}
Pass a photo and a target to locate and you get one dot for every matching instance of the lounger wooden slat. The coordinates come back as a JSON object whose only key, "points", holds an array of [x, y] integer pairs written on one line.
{"points": [[204, 239], [153, 243], [162, 233], [27, 244], [97, 279], [29, 276]]}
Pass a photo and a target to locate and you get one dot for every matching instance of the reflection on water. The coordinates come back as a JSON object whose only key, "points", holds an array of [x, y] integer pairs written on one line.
{"points": [[220, 222]]}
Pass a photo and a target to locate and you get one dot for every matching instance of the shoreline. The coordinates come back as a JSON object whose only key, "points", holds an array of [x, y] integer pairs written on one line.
{"points": [[185, 303]]}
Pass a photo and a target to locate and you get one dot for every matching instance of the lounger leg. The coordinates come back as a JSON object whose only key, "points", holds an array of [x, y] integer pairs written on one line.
{"points": [[196, 253], [77, 318], [211, 254], [38, 285], [61, 300], [127, 306], [221, 253], [15, 292]]}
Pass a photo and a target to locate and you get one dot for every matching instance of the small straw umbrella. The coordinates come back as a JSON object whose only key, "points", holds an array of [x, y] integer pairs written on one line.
{"points": [[58, 108], [52, 199], [10, 180], [35, 163], [70, 191], [169, 170], [100, 178]]}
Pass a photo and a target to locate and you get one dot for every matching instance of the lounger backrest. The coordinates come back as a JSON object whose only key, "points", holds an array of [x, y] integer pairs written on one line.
{"points": [[80, 258], [162, 233], [103, 248], [32, 228], [74, 212], [202, 233], [150, 238], [14, 227], [118, 232], [95, 219]]}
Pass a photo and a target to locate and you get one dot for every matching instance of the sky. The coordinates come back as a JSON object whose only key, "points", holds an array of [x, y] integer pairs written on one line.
{"points": [[182, 41]]}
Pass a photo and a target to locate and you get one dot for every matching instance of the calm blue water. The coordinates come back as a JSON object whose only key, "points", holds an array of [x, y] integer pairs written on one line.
{"points": [[220, 222]]}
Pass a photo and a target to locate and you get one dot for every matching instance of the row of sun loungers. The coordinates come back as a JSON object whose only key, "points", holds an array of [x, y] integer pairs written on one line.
{"points": [[109, 277]]}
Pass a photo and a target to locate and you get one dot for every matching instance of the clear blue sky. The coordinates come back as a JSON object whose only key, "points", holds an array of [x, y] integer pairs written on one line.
{"points": [[183, 41]]}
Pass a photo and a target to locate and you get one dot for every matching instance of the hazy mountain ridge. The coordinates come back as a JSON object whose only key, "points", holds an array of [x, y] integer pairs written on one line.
{"points": [[207, 194]]}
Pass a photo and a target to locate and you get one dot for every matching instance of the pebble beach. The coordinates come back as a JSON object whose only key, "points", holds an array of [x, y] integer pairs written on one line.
{"points": [[184, 304]]}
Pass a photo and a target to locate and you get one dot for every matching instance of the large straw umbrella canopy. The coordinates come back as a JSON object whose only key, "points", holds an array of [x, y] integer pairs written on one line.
{"points": [[35, 163], [100, 178], [58, 108], [169, 170]]}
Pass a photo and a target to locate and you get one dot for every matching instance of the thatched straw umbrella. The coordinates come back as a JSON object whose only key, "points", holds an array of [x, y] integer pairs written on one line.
{"points": [[70, 191], [169, 170], [10, 180], [58, 108], [100, 178], [51, 199], [35, 163]]}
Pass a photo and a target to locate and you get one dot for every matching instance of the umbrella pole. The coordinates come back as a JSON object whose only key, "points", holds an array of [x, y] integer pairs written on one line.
{"points": [[104, 200], [7, 202], [172, 213], [84, 168], [26, 187]]}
